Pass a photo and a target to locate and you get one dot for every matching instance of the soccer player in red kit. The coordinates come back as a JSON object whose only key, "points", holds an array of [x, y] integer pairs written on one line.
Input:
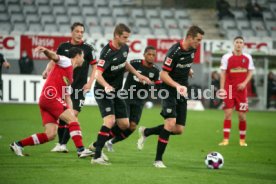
{"points": [[236, 71], [55, 103]]}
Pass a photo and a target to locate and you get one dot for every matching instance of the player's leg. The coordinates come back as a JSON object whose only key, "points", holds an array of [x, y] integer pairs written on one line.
{"points": [[227, 122], [242, 108], [75, 132], [38, 138]]}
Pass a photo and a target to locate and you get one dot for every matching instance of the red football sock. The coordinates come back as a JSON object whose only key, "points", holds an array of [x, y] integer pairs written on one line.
{"points": [[226, 129], [75, 133], [34, 139], [242, 127]]}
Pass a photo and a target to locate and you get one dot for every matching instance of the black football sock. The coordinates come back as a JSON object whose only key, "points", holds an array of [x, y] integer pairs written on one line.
{"points": [[153, 131], [163, 140], [66, 136], [125, 134], [61, 129], [102, 138]]}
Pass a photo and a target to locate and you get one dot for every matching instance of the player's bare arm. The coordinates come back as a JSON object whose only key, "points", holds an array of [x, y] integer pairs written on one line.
{"points": [[222, 92], [242, 85], [88, 85], [49, 54], [182, 90], [6, 64], [141, 78], [102, 82], [48, 68]]}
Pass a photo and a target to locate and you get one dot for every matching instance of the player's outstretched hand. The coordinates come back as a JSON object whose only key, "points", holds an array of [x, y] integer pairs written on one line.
{"points": [[182, 90], [191, 73], [145, 80], [40, 49], [44, 74], [222, 94], [241, 86], [108, 89]]}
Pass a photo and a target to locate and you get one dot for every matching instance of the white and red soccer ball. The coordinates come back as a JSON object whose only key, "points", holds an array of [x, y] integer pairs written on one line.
{"points": [[214, 160]]}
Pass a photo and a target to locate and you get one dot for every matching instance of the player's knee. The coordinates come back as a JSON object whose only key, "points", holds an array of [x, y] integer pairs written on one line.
{"points": [[242, 117], [132, 126], [124, 125], [170, 124], [51, 135], [178, 131]]}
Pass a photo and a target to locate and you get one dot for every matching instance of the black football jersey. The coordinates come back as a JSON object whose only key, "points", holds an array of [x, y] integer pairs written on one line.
{"points": [[80, 73], [178, 63], [112, 63], [151, 72]]}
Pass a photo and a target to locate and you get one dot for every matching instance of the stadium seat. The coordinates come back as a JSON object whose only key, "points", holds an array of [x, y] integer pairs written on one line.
{"points": [[64, 28], [119, 12], [19, 27], [184, 23], [141, 22], [160, 33], [59, 10], [76, 18], [175, 33], [261, 33], [3, 9], [257, 25], [155, 23], [62, 19], [145, 31], [103, 11], [137, 13], [11, 2], [5, 27], [95, 30], [41, 3], [243, 24], [50, 27], [73, 10], [29, 9], [84, 3], [123, 20], [115, 3], [227, 23], [271, 25], [100, 3], [166, 14], [47, 19], [238, 13], [71, 3], [107, 21], [4, 17], [44, 10], [108, 30], [247, 32], [232, 33], [35, 27], [91, 21], [273, 33], [17, 18], [89, 11], [181, 14], [268, 15], [14, 9], [170, 23], [32, 18], [54, 3], [152, 13]]}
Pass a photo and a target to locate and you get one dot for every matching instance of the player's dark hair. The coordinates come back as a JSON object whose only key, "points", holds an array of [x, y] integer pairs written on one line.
{"points": [[194, 30], [120, 28], [238, 37], [149, 48], [74, 51], [75, 24]]}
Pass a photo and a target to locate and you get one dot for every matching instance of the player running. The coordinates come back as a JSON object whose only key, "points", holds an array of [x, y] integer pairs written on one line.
{"points": [[55, 103], [176, 70], [136, 98]]}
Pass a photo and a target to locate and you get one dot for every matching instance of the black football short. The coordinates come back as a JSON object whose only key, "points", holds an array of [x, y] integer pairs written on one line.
{"points": [[111, 106], [175, 108], [134, 110], [78, 99]]}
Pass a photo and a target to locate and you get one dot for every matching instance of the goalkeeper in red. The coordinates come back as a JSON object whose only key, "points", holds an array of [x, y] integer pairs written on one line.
{"points": [[55, 103], [236, 71]]}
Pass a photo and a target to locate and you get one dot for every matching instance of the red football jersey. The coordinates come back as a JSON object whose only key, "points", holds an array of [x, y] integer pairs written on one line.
{"points": [[236, 67], [60, 77]]}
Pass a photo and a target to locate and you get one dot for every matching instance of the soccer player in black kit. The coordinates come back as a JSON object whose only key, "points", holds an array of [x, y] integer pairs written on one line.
{"points": [[109, 76], [80, 85], [175, 73], [136, 98]]}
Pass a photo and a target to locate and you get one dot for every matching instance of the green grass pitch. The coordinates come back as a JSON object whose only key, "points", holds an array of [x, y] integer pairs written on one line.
{"points": [[184, 156]]}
